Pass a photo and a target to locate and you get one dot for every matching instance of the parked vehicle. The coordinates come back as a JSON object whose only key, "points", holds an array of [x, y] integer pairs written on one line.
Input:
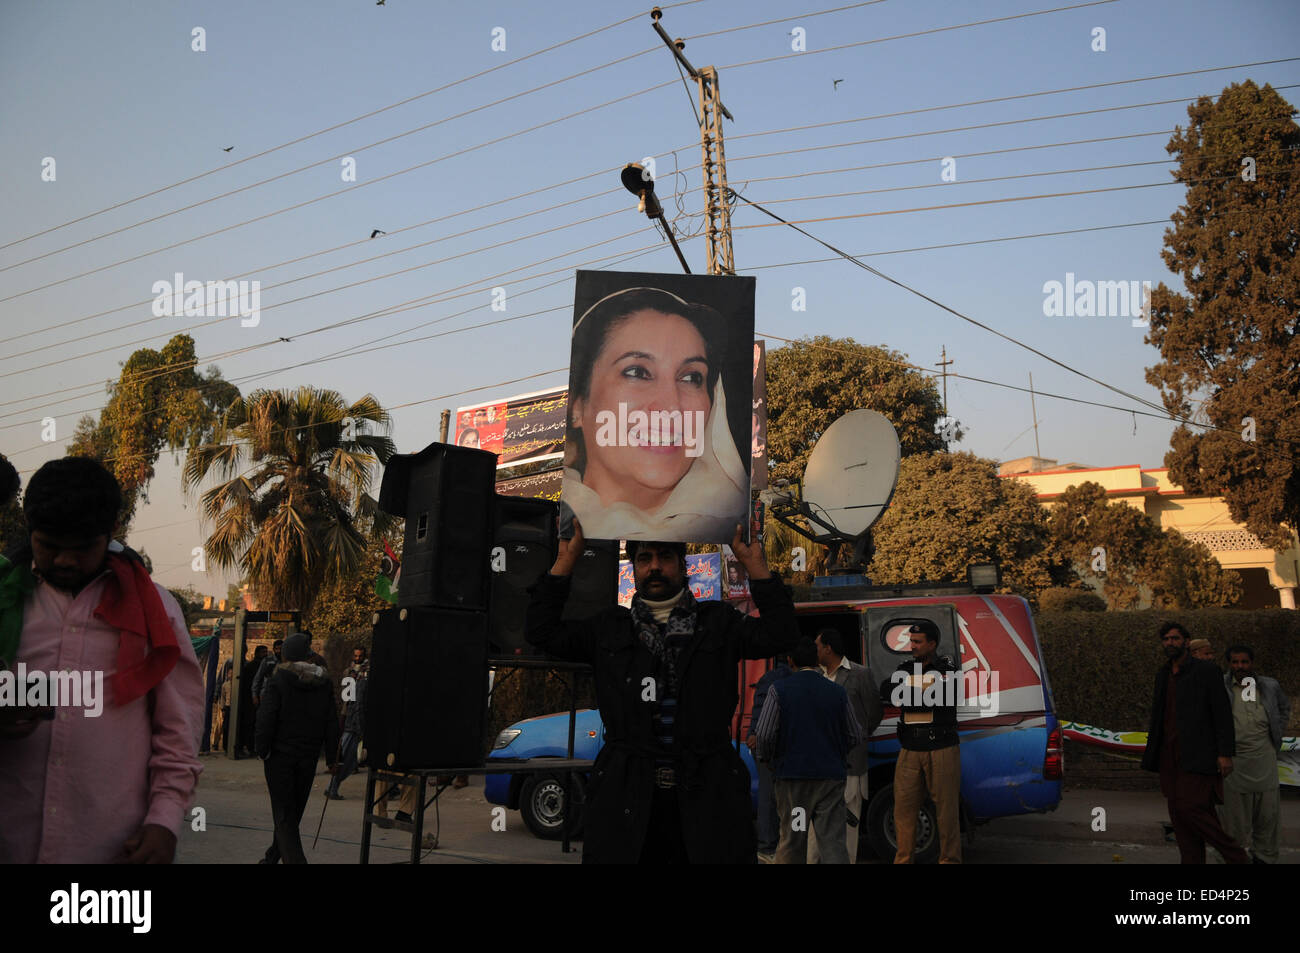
{"points": [[1012, 759], [539, 797], [1011, 743]]}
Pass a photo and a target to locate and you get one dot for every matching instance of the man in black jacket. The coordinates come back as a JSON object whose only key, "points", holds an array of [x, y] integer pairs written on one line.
{"points": [[296, 719], [669, 785], [1191, 743], [930, 752]]}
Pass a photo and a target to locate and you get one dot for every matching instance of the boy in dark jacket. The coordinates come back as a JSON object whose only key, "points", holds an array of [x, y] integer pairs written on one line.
{"points": [[296, 719]]}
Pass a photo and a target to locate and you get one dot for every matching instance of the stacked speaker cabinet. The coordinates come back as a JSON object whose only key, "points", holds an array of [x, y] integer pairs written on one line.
{"points": [[468, 559], [426, 700], [446, 494], [525, 546]]}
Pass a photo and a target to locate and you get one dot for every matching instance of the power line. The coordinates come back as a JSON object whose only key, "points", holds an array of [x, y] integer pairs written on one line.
{"points": [[953, 311], [327, 271], [1006, 99], [177, 369], [1165, 416], [461, 234], [977, 241], [353, 284], [411, 403], [742, 158], [347, 122], [796, 16], [551, 208], [985, 125], [472, 111], [948, 185], [361, 241], [384, 312], [477, 286], [954, 205], [956, 155], [950, 205], [327, 195]]}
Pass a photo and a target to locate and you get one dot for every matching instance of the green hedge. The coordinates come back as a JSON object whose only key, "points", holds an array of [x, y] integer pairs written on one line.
{"points": [[1102, 664]]}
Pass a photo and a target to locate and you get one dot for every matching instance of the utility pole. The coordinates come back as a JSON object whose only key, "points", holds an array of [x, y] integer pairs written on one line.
{"points": [[1033, 410], [717, 209], [942, 364]]}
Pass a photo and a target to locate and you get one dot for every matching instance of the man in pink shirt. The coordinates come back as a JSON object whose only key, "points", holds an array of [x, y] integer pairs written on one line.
{"points": [[98, 750]]}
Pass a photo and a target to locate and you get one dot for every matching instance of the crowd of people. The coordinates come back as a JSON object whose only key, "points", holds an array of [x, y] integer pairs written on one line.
{"points": [[1214, 739], [668, 786]]}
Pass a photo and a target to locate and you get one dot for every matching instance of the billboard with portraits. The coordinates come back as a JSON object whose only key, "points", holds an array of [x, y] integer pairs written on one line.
{"points": [[518, 429], [659, 433]]}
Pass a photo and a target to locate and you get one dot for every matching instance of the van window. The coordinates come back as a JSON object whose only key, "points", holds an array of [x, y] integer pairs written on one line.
{"points": [[848, 624]]}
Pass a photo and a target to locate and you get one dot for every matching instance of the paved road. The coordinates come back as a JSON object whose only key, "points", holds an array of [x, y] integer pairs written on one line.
{"points": [[238, 819], [237, 815]]}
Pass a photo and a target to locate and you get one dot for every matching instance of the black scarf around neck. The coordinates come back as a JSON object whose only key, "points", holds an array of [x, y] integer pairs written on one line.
{"points": [[681, 622]]}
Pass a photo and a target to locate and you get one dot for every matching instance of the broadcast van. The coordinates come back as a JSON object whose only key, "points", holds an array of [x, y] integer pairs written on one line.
{"points": [[1011, 744]]}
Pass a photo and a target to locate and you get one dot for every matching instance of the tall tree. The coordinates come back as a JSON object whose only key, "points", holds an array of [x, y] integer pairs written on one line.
{"points": [[1133, 558], [296, 519], [812, 383], [160, 400], [952, 509], [1231, 340]]}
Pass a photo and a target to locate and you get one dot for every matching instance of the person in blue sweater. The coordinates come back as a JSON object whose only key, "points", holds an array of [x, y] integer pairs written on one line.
{"points": [[807, 727]]}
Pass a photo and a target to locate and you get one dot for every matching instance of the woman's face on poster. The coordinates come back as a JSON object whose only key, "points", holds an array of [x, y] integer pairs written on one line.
{"points": [[469, 438], [649, 361]]}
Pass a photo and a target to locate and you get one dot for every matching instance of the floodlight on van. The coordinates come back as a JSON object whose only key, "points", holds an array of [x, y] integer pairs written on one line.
{"points": [[984, 577]]}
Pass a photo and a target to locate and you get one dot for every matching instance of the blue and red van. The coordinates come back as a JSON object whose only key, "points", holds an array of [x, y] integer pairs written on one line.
{"points": [[1011, 743]]}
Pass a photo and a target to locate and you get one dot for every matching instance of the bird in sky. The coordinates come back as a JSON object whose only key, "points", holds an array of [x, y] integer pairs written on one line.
{"points": [[379, 3], [228, 149], [835, 84], [378, 231]]}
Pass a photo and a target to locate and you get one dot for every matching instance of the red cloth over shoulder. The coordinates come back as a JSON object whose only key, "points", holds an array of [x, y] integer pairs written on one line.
{"points": [[147, 649]]}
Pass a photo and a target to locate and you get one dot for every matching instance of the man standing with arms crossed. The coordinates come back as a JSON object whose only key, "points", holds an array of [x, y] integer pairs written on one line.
{"points": [[930, 753]]}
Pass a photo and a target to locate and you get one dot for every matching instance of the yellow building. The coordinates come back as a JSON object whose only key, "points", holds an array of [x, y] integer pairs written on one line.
{"points": [[1268, 578]]}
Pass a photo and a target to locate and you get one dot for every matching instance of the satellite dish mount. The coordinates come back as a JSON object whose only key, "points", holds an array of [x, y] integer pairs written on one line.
{"points": [[849, 480]]}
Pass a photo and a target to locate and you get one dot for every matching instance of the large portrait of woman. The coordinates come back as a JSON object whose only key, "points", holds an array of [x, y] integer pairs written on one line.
{"points": [[659, 428]]}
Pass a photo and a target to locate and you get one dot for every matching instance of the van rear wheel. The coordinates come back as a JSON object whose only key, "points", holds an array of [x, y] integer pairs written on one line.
{"points": [[883, 838]]}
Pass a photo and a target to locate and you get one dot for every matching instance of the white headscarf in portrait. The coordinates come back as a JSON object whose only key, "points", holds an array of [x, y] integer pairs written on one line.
{"points": [[705, 506]]}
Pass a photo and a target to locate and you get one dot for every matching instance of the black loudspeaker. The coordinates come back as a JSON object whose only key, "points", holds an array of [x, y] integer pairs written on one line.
{"points": [[426, 698], [524, 547], [445, 494], [595, 580]]}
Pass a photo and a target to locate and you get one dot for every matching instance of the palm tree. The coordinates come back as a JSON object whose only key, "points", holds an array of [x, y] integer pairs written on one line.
{"points": [[301, 514]]}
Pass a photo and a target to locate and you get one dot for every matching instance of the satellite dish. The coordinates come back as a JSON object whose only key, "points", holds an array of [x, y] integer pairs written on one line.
{"points": [[851, 474]]}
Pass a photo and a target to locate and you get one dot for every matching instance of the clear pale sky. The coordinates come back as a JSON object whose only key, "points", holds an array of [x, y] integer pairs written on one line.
{"points": [[114, 93]]}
